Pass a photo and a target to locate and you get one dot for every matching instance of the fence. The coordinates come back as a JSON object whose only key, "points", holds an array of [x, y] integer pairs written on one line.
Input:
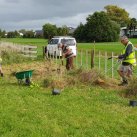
{"points": [[88, 59], [29, 51], [25, 50]]}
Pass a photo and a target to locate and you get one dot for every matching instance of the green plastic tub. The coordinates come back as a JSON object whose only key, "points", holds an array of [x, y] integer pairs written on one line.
{"points": [[24, 74]]}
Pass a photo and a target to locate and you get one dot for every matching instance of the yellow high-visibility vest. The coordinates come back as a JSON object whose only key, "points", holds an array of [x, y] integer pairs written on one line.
{"points": [[131, 57]]}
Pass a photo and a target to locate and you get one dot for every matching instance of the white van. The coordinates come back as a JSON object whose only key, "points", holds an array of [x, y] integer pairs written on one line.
{"points": [[52, 47]]}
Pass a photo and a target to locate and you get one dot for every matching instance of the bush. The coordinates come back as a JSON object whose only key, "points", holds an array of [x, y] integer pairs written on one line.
{"points": [[75, 78], [132, 88]]}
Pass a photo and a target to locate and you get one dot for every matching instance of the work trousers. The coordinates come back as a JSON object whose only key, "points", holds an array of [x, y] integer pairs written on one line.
{"points": [[69, 63]]}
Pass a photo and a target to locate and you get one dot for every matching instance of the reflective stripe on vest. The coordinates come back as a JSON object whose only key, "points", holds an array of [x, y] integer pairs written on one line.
{"points": [[131, 57]]}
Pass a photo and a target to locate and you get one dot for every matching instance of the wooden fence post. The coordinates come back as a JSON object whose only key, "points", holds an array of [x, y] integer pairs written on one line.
{"points": [[87, 59], [99, 60], [92, 59], [105, 63], [81, 57], [112, 66], [44, 52], [77, 59]]}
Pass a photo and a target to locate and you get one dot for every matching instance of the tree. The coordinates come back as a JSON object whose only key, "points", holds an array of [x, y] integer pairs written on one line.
{"points": [[59, 31], [11, 34], [23, 31], [62, 31], [29, 34], [100, 28], [49, 30], [65, 30], [16, 33], [79, 33], [121, 16], [132, 26], [2, 33]]}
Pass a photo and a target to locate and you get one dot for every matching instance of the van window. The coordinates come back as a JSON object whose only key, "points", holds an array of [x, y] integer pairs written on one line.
{"points": [[69, 42], [54, 41]]}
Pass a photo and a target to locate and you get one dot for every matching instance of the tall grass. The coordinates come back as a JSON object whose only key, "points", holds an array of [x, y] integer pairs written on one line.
{"points": [[34, 42], [11, 55]]}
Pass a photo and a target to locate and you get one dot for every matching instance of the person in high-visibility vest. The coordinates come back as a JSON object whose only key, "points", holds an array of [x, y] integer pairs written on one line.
{"points": [[1, 72], [128, 60]]}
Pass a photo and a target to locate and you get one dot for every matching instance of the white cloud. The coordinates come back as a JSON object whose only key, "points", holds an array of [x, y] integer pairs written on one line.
{"points": [[132, 9], [16, 14], [37, 24]]}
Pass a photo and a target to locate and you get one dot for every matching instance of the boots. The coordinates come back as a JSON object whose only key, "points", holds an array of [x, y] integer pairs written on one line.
{"points": [[123, 83], [2, 75]]}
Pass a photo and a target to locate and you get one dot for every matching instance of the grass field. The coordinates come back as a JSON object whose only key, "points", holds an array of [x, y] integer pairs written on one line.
{"points": [[81, 110], [109, 47]]}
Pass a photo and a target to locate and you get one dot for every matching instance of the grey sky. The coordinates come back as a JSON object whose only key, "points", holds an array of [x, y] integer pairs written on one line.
{"points": [[33, 14]]}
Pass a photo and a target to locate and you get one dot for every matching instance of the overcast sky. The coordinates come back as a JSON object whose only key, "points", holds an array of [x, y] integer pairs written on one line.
{"points": [[33, 14]]}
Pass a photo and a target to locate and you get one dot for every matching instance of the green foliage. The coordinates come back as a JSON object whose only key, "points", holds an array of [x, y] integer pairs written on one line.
{"points": [[62, 31], [52, 30], [28, 34], [13, 34], [2, 33], [132, 26], [131, 90], [117, 14], [80, 33], [98, 28], [101, 28], [49, 30]]}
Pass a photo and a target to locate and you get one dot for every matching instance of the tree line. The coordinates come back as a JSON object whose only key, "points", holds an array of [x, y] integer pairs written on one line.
{"points": [[103, 26], [48, 31]]}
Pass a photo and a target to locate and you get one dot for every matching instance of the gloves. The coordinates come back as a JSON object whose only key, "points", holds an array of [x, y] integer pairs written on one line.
{"points": [[120, 57]]}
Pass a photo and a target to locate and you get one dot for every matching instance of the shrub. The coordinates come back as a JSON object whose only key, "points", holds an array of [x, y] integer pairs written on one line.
{"points": [[132, 88]]}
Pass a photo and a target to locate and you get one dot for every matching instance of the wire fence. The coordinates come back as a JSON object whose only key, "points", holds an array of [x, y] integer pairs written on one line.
{"points": [[88, 59], [85, 58]]}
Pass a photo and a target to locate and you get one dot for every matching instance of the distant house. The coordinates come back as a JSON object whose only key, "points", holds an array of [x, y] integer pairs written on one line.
{"points": [[5, 34], [123, 31], [38, 33], [71, 30], [127, 32], [21, 34]]}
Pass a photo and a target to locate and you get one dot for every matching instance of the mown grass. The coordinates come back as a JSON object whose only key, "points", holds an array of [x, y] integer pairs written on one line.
{"points": [[82, 110], [105, 46], [78, 112]]}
